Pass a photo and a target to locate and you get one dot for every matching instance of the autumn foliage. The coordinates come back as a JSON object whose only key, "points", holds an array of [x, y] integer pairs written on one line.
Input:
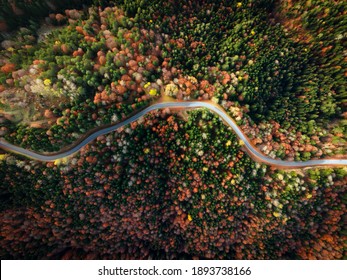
{"points": [[161, 191]]}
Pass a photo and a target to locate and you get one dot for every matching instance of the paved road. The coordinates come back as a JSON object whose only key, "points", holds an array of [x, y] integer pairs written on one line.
{"points": [[251, 149]]}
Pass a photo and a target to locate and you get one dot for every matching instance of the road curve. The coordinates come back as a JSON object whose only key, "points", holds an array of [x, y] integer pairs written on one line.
{"points": [[251, 150]]}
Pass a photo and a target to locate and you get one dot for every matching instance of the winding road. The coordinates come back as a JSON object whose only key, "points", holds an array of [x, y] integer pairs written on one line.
{"points": [[250, 148]]}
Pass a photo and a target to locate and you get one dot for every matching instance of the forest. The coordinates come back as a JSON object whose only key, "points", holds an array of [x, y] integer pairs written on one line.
{"points": [[177, 184]]}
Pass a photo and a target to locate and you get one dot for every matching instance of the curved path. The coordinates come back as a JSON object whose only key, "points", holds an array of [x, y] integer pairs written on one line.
{"points": [[251, 149]]}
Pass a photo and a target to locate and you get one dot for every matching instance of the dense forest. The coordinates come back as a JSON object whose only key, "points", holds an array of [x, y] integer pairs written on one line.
{"points": [[176, 184]]}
